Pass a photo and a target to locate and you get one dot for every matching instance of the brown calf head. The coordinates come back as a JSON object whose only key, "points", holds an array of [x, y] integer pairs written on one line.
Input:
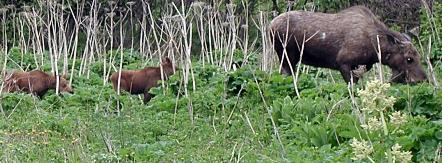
{"points": [[63, 85], [168, 67], [404, 60]]}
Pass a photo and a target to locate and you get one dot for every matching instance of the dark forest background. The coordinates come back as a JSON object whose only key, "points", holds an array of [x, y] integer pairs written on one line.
{"points": [[404, 15]]}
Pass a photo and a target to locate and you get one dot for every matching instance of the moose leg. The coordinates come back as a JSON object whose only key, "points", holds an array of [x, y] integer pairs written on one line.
{"points": [[345, 70], [288, 61], [294, 56], [369, 66], [280, 52], [40, 96], [147, 97], [123, 85]]}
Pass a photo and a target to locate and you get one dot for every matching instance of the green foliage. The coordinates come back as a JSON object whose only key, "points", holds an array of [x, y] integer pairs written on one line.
{"points": [[244, 115], [320, 122], [331, 5], [17, 59], [431, 28], [421, 100], [225, 112], [129, 59]]}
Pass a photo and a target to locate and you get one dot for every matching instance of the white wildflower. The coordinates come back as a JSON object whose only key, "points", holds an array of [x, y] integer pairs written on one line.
{"points": [[374, 97], [373, 124], [361, 149], [400, 156], [389, 101], [398, 118]]}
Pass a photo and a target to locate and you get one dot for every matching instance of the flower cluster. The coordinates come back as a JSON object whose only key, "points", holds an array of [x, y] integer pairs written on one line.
{"points": [[399, 155], [373, 124], [397, 118], [374, 97], [375, 101], [361, 149]]}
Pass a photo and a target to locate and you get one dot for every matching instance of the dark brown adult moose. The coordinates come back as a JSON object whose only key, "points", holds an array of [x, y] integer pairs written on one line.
{"points": [[344, 41], [36, 82], [140, 81]]}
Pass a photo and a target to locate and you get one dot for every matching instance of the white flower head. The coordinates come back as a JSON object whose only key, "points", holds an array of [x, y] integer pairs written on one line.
{"points": [[373, 124], [361, 149], [374, 97], [400, 156], [398, 118]]}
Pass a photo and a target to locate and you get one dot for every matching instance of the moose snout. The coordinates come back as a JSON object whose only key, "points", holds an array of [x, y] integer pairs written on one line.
{"points": [[423, 79], [69, 90], [417, 79]]}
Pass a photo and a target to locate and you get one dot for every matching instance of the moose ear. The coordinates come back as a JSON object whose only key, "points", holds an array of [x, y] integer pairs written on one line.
{"points": [[407, 37], [414, 32], [393, 39], [402, 40]]}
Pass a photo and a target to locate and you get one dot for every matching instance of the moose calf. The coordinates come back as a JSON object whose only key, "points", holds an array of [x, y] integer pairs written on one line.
{"points": [[35, 82], [140, 81]]}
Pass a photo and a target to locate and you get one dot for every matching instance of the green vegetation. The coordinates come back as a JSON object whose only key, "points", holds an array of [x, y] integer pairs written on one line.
{"points": [[233, 117], [207, 112]]}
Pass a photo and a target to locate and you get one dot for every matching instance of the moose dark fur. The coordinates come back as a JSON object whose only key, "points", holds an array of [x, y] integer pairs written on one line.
{"points": [[36, 82], [140, 81], [344, 41]]}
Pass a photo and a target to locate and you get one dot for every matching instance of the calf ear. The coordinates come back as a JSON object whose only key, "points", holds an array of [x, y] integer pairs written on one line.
{"points": [[64, 76], [166, 60]]}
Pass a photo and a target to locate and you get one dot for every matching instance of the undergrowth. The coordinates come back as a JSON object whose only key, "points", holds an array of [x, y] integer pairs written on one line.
{"points": [[231, 119]]}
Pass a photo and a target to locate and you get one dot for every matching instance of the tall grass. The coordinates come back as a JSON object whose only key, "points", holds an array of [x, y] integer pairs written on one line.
{"points": [[44, 32], [435, 37], [52, 30]]}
